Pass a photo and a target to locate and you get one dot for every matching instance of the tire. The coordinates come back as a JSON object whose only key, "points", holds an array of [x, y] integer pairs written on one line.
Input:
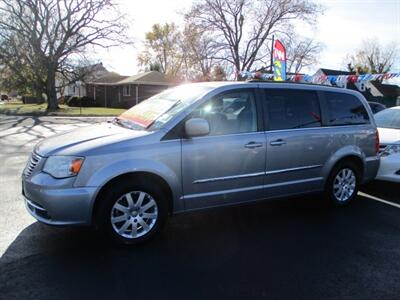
{"points": [[342, 184], [131, 213]]}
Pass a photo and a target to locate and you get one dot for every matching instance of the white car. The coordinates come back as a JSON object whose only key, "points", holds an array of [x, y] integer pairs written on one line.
{"points": [[388, 123]]}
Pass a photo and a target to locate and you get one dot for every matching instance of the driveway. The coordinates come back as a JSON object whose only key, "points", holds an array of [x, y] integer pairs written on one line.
{"points": [[283, 249]]}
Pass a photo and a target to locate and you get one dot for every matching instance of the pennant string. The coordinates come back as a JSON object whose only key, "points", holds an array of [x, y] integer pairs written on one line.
{"points": [[339, 80]]}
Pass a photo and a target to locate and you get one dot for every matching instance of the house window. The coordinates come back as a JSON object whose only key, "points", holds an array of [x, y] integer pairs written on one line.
{"points": [[126, 90]]}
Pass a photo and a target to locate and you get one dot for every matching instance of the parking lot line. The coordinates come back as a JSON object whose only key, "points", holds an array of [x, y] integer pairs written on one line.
{"points": [[379, 199]]}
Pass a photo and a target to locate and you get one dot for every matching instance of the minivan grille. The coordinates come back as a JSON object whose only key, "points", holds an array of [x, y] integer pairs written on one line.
{"points": [[33, 161]]}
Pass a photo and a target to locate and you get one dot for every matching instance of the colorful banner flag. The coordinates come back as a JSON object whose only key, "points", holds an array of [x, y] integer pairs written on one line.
{"points": [[336, 80], [279, 61]]}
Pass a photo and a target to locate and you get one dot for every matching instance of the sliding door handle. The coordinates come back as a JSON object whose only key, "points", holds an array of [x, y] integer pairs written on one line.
{"points": [[279, 142], [253, 145]]}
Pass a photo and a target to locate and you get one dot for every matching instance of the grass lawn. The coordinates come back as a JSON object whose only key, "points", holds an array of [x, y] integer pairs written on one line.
{"points": [[18, 108]]}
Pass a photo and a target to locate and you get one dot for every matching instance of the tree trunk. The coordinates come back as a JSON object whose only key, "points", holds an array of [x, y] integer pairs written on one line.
{"points": [[51, 93], [38, 91], [38, 95]]}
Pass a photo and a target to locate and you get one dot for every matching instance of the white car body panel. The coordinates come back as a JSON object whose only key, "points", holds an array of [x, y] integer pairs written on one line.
{"points": [[390, 164], [388, 135]]}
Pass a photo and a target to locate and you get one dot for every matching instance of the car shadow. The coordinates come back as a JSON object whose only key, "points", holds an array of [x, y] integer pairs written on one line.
{"points": [[300, 248]]}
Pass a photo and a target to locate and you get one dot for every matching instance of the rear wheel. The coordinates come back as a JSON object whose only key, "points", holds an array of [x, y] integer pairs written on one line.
{"points": [[132, 213], [342, 184]]}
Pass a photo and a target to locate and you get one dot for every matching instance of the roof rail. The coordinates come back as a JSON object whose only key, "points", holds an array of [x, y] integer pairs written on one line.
{"points": [[291, 82]]}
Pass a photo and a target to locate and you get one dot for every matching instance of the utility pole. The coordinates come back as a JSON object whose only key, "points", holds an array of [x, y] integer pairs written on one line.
{"points": [[78, 84], [272, 54]]}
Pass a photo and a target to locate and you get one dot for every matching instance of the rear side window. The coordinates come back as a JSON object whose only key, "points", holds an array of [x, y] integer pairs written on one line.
{"points": [[289, 109], [345, 109]]}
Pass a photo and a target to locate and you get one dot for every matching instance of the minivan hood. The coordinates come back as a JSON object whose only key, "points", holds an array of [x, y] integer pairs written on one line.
{"points": [[82, 139], [388, 135]]}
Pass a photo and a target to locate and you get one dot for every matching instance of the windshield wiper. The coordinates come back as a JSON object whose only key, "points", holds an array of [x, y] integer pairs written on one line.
{"points": [[125, 123], [119, 122]]}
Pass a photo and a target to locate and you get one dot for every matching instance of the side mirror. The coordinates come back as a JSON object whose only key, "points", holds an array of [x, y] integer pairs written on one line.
{"points": [[197, 127]]}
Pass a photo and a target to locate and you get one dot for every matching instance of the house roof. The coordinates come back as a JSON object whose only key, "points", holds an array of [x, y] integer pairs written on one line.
{"points": [[94, 68], [93, 72], [386, 90], [329, 72], [151, 77], [147, 78], [110, 78]]}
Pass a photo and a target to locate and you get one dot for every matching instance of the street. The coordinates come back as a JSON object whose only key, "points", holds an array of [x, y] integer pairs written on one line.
{"points": [[298, 248]]}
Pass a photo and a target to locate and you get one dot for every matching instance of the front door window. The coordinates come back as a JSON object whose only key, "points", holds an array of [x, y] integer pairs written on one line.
{"points": [[229, 113]]}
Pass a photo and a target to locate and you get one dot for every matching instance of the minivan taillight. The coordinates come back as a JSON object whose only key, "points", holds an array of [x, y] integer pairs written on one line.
{"points": [[377, 141]]}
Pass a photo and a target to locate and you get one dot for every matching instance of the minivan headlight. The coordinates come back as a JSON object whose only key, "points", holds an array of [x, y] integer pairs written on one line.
{"points": [[391, 149], [63, 166]]}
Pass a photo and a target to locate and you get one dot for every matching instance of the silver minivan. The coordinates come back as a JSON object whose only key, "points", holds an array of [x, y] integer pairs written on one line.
{"points": [[203, 145]]}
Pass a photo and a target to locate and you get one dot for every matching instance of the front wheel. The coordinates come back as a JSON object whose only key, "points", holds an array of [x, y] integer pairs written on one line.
{"points": [[132, 213], [342, 184]]}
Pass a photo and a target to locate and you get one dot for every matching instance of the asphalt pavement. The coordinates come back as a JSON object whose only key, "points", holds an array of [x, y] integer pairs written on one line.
{"points": [[299, 248]]}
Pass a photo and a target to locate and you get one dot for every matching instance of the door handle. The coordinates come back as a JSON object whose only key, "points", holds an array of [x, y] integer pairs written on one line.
{"points": [[252, 145], [279, 142]]}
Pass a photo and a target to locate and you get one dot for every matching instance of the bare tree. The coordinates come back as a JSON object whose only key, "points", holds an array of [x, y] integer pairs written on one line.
{"points": [[55, 32], [218, 73], [78, 69], [372, 57], [241, 28], [186, 54], [301, 53], [199, 53]]}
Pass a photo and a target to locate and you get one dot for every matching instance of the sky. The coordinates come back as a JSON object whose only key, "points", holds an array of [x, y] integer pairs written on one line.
{"points": [[341, 28]]}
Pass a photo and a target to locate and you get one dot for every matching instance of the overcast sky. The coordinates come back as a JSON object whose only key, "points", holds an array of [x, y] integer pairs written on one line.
{"points": [[344, 24]]}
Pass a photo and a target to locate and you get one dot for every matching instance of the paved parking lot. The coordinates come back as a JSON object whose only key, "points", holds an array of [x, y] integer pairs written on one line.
{"points": [[293, 248]]}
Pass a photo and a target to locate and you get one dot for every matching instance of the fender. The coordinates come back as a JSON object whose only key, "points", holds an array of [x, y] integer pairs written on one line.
{"points": [[99, 177], [349, 150]]}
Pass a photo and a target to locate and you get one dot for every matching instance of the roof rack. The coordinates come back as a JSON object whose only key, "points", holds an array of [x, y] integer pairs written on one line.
{"points": [[291, 82]]}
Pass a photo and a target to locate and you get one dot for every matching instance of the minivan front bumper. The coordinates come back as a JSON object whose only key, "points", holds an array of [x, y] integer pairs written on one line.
{"points": [[57, 205]]}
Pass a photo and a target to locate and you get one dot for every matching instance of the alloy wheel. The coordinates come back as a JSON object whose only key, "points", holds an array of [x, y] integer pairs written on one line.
{"points": [[344, 184], [134, 214]]}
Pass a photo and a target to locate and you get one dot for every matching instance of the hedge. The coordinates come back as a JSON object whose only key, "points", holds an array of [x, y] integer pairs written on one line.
{"points": [[84, 101]]}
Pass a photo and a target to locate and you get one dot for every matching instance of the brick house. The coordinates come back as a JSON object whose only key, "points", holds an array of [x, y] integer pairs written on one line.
{"points": [[114, 90]]}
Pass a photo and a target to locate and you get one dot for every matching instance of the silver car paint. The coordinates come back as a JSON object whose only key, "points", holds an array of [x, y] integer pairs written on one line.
{"points": [[202, 171], [218, 170]]}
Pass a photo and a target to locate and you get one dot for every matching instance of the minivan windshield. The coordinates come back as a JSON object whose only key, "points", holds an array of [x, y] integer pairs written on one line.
{"points": [[388, 118], [154, 112]]}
